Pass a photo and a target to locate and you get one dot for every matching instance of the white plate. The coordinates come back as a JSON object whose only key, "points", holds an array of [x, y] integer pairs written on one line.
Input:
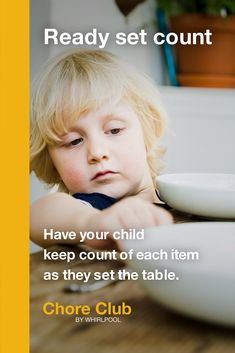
{"points": [[206, 287], [208, 195]]}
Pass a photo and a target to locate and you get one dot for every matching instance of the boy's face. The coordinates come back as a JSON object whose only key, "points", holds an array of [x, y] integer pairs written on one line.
{"points": [[104, 152]]}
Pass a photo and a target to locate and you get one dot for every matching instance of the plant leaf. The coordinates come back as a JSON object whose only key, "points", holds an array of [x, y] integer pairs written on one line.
{"points": [[126, 6]]}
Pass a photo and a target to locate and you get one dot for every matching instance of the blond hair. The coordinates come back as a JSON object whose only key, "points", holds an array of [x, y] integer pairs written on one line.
{"points": [[75, 83]]}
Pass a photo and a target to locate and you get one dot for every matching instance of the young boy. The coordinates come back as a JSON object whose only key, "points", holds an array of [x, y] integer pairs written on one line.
{"points": [[95, 132]]}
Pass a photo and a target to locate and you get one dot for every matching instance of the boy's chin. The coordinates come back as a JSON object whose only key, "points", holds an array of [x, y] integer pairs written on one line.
{"points": [[112, 191]]}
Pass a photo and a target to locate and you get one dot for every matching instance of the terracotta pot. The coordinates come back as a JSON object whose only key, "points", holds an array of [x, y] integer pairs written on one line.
{"points": [[206, 65]]}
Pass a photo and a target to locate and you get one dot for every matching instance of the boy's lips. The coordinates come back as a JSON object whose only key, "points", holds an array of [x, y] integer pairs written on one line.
{"points": [[102, 174]]}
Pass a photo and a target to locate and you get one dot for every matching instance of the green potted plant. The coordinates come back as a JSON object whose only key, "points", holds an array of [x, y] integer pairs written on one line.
{"points": [[200, 65], [204, 65]]}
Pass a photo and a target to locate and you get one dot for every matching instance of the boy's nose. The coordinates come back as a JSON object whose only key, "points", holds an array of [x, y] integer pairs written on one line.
{"points": [[96, 153]]}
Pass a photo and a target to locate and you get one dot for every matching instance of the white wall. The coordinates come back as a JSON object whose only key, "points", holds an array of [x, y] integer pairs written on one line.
{"points": [[84, 15], [202, 130], [39, 18]]}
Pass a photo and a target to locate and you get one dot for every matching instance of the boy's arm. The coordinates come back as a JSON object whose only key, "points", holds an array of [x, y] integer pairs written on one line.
{"points": [[61, 212]]}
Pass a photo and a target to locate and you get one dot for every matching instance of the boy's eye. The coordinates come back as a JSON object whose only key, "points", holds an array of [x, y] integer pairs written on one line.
{"points": [[76, 142], [115, 131]]}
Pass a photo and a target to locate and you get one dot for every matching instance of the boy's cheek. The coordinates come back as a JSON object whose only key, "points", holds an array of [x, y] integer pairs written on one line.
{"points": [[137, 158], [74, 181]]}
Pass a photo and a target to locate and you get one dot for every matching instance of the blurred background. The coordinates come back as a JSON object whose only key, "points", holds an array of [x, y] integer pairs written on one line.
{"points": [[201, 111]]}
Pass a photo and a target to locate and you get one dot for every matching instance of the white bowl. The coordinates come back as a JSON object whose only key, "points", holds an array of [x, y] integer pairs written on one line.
{"points": [[206, 287], [208, 195]]}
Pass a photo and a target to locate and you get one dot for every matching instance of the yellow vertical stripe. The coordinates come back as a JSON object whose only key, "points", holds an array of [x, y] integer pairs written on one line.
{"points": [[14, 120]]}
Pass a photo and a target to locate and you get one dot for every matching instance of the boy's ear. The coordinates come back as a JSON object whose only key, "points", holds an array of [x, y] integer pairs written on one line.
{"points": [[149, 152]]}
